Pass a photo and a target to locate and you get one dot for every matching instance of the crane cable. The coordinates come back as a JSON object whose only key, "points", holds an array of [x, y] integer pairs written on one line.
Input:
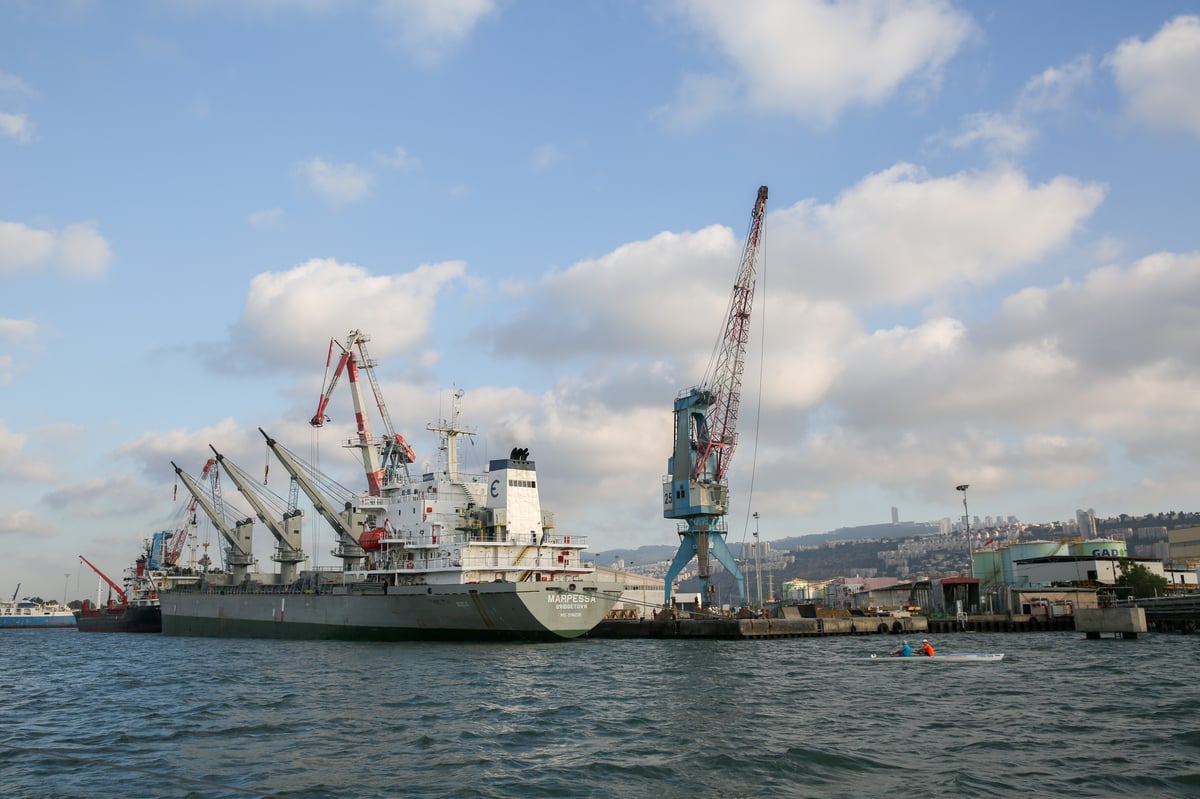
{"points": [[762, 331]]}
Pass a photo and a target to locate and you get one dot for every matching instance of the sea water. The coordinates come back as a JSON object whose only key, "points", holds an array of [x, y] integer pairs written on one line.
{"points": [[91, 715]]}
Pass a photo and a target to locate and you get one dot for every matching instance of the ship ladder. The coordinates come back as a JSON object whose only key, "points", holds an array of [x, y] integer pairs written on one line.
{"points": [[528, 572]]}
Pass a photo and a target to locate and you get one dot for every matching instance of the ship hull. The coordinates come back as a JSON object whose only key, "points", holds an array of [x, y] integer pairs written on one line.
{"points": [[38, 622], [541, 611], [131, 620]]}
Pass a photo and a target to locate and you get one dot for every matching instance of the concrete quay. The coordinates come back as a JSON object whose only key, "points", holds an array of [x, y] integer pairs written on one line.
{"points": [[724, 627], [728, 627]]}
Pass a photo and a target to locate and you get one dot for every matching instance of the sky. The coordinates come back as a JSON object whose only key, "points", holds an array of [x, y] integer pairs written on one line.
{"points": [[980, 260]]}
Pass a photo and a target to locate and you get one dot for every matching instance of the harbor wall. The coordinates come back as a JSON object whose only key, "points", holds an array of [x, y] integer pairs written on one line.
{"points": [[725, 627]]}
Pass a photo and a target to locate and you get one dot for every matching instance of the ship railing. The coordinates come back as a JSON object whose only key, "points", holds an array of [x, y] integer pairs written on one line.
{"points": [[421, 540], [547, 561], [572, 541]]}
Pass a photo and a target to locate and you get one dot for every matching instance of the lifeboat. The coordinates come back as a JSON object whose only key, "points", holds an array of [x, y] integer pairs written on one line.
{"points": [[370, 540]]}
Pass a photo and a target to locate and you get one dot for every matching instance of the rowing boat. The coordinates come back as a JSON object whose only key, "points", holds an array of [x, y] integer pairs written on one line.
{"points": [[955, 657]]}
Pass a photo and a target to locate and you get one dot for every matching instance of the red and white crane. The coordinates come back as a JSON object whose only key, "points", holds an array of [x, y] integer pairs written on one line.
{"points": [[393, 449]]}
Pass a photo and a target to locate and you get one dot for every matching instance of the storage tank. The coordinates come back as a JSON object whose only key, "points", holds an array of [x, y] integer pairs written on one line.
{"points": [[1099, 548], [1027, 550], [987, 566]]}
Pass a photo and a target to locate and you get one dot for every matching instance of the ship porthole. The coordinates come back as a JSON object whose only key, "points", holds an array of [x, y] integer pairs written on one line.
{"points": [[571, 587]]}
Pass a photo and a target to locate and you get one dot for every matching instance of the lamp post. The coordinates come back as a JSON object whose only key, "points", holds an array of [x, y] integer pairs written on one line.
{"points": [[967, 521], [757, 565]]}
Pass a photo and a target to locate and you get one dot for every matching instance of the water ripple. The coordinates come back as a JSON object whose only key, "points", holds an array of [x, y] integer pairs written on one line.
{"points": [[90, 716]]}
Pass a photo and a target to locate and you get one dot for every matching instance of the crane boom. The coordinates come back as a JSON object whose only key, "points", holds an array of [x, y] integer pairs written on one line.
{"points": [[120, 591], [179, 535], [285, 529], [240, 537], [343, 524], [726, 383]]}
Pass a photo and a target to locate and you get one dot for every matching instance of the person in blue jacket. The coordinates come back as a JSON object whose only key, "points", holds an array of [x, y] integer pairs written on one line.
{"points": [[905, 651]]}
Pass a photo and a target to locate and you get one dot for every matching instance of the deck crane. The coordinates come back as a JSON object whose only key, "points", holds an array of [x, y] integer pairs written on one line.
{"points": [[284, 525], [382, 461], [120, 591], [348, 522], [239, 556], [174, 547], [696, 490]]}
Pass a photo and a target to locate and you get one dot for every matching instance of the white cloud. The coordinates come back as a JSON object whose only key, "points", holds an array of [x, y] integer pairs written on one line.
{"points": [[699, 99], [814, 60], [1158, 77], [101, 497], [34, 471], [323, 295], [12, 84], [21, 523], [16, 126], [899, 235], [1007, 135], [83, 251], [1000, 135], [431, 30], [11, 444], [399, 158], [1053, 88], [266, 217], [338, 183], [79, 250], [1117, 318], [13, 329], [1052, 392], [23, 248], [591, 309], [155, 449]]}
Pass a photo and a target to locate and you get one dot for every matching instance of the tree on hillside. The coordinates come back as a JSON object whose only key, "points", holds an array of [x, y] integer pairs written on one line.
{"points": [[1140, 581]]}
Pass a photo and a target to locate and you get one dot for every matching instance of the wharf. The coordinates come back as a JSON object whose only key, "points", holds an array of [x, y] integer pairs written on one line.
{"points": [[728, 627], [1173, 614], [733, 628]]}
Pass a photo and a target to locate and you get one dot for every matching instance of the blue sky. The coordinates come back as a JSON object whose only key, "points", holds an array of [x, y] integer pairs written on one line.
{"points": [[980, 262]]}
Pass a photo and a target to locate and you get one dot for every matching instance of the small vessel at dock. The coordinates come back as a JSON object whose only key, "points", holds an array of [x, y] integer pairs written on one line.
{"points": [[135, 609], [29, 614]]}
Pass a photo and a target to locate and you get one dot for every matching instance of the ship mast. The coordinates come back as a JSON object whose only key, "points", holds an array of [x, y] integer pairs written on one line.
{"points": [[450, 431]]}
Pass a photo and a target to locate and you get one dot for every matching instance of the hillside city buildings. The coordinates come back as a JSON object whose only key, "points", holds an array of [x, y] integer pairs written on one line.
{"points": [[980, 571]]}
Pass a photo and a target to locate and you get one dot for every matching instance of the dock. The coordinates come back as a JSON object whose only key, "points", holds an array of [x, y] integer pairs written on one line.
{"points": [[1127, 619], [693, 626]]}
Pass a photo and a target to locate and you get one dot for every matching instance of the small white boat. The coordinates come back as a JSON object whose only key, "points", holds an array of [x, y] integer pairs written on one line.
{"points": [[956, 657]]}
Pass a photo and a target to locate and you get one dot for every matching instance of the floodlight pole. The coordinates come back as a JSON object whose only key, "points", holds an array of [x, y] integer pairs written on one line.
{"points": [[757, 564], [967, 521]]}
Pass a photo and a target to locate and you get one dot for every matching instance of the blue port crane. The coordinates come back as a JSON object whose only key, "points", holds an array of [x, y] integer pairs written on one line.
{"points": [[696, 490]]}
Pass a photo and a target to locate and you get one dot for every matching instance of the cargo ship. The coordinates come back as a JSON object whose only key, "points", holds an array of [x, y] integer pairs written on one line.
{"points": [[446, 555], [134, 609], [29, 614]]}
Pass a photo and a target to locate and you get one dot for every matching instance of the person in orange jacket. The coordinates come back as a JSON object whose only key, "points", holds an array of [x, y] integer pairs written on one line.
{"points": [[926, 647]]}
